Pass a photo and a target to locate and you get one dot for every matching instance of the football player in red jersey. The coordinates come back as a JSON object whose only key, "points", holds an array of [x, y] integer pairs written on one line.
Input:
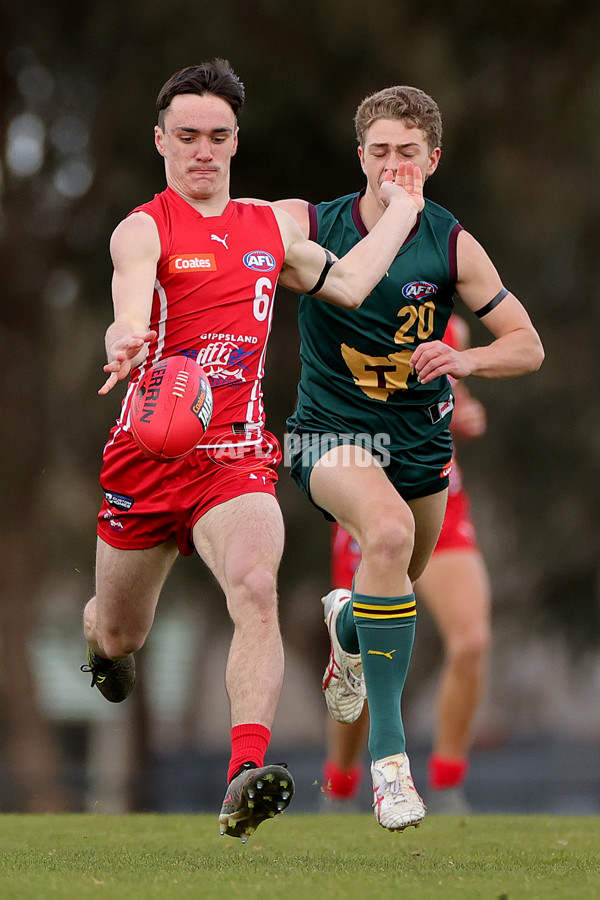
{"points": [[195, 273], [455, 587]]}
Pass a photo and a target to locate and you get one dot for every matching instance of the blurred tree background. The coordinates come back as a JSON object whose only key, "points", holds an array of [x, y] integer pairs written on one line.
{"points": [[518, 84]]}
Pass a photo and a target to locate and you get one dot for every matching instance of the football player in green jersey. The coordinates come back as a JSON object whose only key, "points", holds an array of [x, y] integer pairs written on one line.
{"points": [[369, 441]]}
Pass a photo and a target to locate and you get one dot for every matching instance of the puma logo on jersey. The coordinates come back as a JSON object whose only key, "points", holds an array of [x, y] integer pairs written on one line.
{"points": [[381, 653], [215, 237]]}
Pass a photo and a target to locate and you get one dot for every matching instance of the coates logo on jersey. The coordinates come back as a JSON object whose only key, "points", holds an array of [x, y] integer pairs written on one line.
{"points": [[192, 262], [418, 290], [259, 261]]}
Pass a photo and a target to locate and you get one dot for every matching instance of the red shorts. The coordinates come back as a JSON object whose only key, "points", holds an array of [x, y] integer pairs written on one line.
{"points": [[146, 503], [458, 533]]}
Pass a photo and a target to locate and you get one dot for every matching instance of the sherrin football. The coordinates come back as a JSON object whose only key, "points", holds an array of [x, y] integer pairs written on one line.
{"points": [[171, 408]]}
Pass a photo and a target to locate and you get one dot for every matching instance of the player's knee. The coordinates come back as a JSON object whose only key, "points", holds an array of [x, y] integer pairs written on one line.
{"points": [[89, 620], [254, 593], [471, 647], [118, 643], [388, 540]]}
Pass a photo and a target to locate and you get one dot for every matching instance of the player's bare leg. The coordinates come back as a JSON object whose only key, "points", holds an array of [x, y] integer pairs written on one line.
{"points": [[381, 617], [456, 589], [428, 514], [353, 487], [342, 769], [347, 741], [116, 621], [241, 541]]}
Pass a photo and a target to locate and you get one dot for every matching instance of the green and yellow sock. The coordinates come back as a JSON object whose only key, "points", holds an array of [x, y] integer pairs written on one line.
{"points": [[385, 628]]}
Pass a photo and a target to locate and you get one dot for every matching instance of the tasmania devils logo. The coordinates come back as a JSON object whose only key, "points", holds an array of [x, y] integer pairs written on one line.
{"points": [[418, 290]]}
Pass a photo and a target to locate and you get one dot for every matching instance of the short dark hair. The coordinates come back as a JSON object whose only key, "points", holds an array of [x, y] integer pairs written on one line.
{"points": [[213, 77]]}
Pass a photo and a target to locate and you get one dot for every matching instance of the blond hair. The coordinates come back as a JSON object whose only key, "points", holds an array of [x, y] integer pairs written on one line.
{"points": [[410, 104]]}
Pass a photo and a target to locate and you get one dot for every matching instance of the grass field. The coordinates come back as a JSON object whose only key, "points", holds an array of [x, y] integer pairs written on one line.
{"points": [[298, 856]]}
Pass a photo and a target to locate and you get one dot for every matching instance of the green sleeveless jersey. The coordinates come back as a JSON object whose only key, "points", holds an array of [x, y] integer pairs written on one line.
{"points": [[356, 375]]}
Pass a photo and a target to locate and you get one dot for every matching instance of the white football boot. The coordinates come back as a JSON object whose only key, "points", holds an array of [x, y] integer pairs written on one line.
{"points": [[343, 681], [395, 799]]}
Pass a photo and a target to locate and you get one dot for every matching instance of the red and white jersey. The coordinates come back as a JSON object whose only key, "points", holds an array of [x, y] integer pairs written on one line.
{"points": [[213, 301]]}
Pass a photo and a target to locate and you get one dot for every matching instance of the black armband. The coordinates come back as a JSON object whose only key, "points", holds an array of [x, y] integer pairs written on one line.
{"points": [[492, 304], [329, 261]]}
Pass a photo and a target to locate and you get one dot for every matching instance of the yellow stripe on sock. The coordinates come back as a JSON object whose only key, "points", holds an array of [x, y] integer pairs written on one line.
{"points": [[372, 611], [383, 607], [406, 615]]}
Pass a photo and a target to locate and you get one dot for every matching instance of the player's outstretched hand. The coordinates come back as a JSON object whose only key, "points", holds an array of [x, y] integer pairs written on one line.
{"points": [[435, 358], [408, 177], [123, 355]]}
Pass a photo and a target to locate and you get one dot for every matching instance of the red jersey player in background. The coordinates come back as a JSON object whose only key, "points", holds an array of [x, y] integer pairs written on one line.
{"points": [[456, 589], [195, 274]]}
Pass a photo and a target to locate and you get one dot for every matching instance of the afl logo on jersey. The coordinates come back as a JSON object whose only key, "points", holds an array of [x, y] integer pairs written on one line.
{"points": [[418, 290], [260, 261]]}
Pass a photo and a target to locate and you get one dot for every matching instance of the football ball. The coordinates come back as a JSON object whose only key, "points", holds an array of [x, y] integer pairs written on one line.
{"points": [[171, 408]]}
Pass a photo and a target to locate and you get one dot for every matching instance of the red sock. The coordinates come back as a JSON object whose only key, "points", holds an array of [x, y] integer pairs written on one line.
{"points": [[248, 744], [444, 772], [341, 784]]}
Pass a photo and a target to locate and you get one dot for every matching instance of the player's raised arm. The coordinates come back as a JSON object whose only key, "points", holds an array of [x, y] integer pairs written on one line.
{"points": [[135, 250], [517, 348], [311, 269]]}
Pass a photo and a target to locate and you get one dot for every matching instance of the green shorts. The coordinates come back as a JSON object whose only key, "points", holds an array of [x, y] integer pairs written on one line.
{"points": [[414, 472]]}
